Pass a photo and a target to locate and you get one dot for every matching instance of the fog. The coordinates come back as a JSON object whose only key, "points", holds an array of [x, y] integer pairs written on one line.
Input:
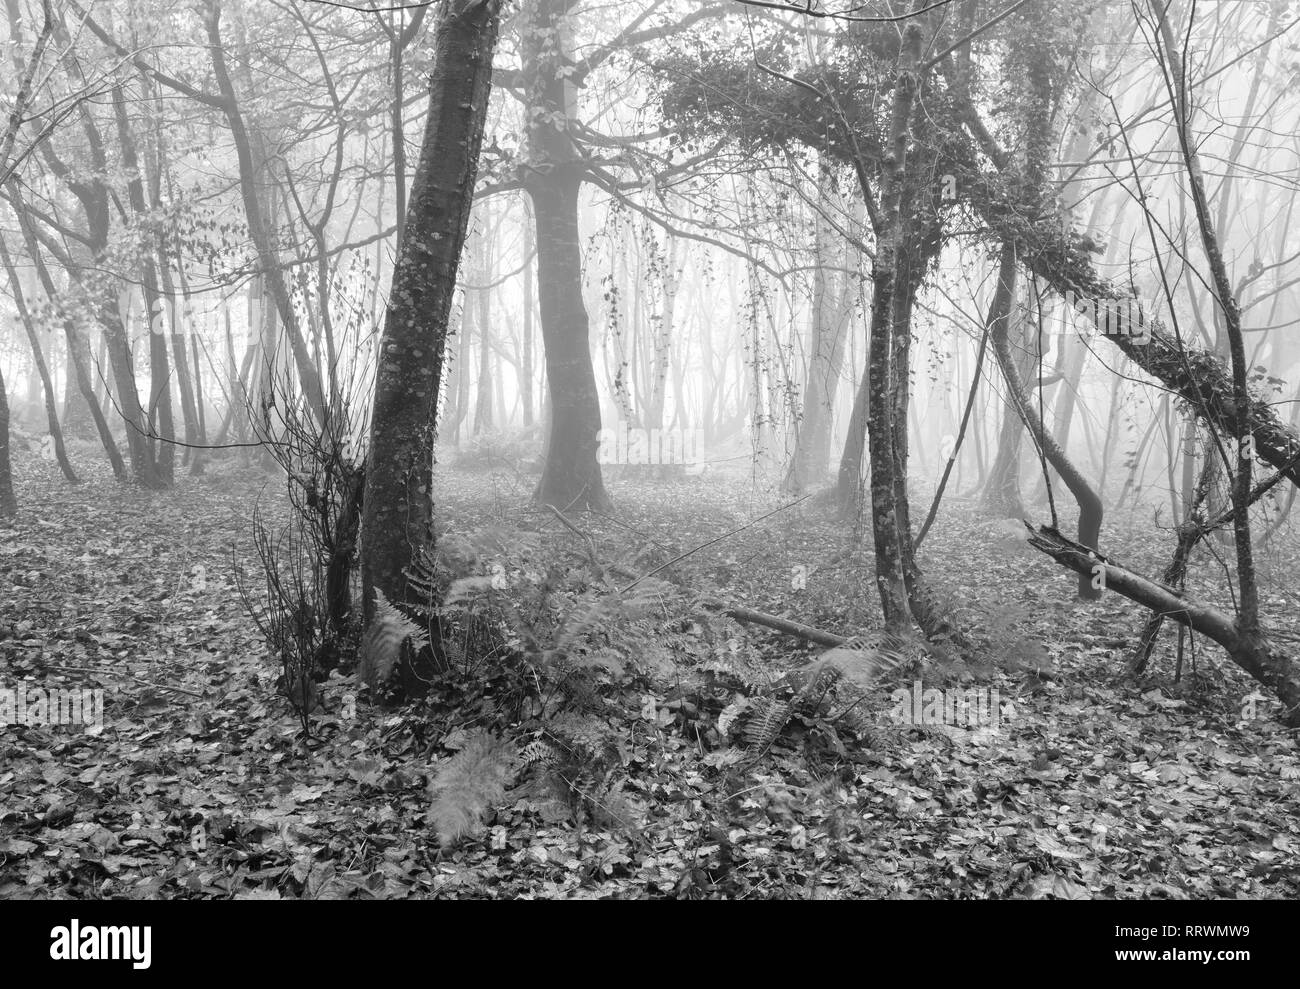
{"points": [[587, 419]]}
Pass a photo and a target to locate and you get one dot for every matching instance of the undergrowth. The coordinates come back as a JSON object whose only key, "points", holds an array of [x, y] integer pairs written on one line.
{"points": [[551, 661]]}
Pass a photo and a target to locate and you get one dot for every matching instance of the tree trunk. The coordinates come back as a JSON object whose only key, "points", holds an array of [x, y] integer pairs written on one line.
{"points": [[397, 517], [481, 296], [887, 518], [186, 379], [848, 491], [1019, 405], [176, 318], [260, 226], [832, 307], [162, 448], [1002, 486], [8, 502], [78, 349], [78, 422], [42, 369], [527, 373], [456, 407], [138, 434], [571, 478]]}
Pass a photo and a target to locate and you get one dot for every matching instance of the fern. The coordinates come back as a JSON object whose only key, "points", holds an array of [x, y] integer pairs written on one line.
{"points": [[727, 717], [854, 666], [469, 784], [422, 578], [590, 737], [763, 728], [578, 766], [538, 751], [860, 662], [382, 644], [605, 612], [610, 808]]}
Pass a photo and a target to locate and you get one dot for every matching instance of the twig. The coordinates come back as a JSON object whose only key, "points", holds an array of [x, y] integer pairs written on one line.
{"points": [[586, 536], [143, 683]]}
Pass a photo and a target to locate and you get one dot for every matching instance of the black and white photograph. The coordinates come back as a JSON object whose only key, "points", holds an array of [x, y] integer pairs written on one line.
{"points": [[722, 450]]}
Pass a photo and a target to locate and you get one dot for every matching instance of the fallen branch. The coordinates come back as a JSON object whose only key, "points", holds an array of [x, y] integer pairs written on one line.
{"points": [[785, 625], [143, 683], [1254, 654], [585, 536]]}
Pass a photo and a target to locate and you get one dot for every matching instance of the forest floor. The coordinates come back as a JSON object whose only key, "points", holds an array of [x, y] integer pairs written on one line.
{"points": [[201, 783]]}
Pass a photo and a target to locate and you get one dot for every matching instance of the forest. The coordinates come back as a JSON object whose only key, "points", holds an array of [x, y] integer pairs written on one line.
{"points": [[649, 449]]}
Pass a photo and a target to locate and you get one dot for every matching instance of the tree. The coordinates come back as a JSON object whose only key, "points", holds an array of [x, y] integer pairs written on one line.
{"points": [[553, 177], [397, 519], [562, 154], [832, 310], [8, 141]]}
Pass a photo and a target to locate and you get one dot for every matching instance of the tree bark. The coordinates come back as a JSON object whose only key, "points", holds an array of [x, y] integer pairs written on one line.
{"points": [[554, 173], [881, 367], [1002, 496], [397, 517]]}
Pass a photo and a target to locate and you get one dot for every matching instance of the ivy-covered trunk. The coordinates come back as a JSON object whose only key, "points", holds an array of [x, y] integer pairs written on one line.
{"points": [[397, 517], [892, 253]]}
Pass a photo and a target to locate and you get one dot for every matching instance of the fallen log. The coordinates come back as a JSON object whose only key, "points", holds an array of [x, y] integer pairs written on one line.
{"points": [[785, 625], [1255, 654]]}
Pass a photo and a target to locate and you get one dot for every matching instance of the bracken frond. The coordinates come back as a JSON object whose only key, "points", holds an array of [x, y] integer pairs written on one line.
{"points": [[612, 809], [538, 751], [469, 784], [727, 717], [858, 661], [382, 644], [763, 728]]}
